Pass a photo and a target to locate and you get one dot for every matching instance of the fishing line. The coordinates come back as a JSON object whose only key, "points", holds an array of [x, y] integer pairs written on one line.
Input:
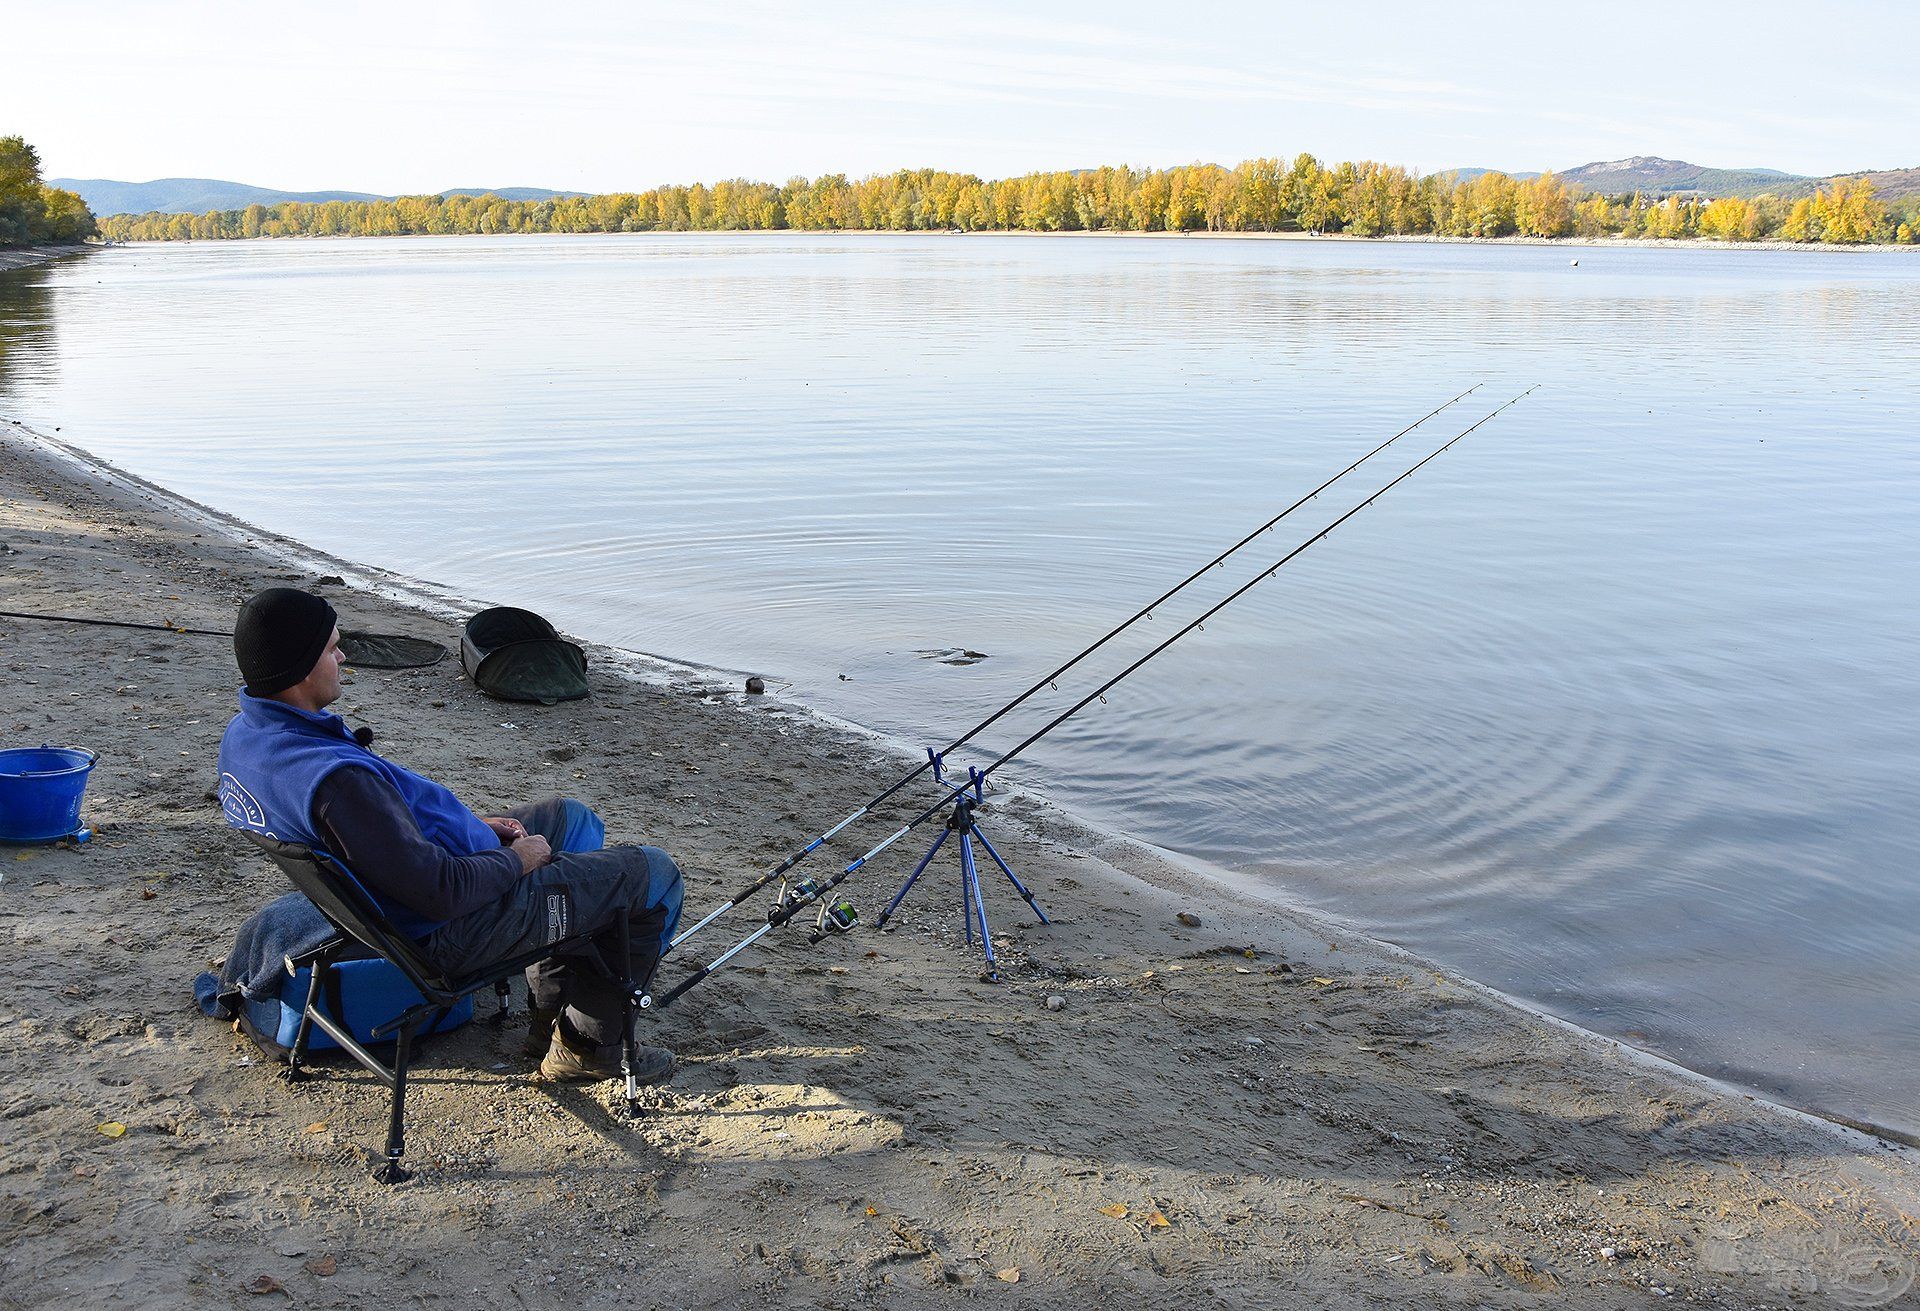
{"points": [[1099, 693], [809, 891], [1047, 680]]}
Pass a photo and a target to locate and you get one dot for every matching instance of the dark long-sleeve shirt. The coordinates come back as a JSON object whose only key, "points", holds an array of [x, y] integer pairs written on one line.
{"points": [[361, 819]]}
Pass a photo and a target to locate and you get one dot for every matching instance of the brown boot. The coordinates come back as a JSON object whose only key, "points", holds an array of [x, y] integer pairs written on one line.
{"points": [[539, 1031], [571, 1059]]}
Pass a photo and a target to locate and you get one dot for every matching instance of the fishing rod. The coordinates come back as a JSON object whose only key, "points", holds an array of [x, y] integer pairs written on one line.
{"points": [[794, 900], [359, 645], [1045, 681], [115, 623]]}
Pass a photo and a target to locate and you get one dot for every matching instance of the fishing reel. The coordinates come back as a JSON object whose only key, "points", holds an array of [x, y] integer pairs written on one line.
{"points": [[834, 917], [791, 897]]}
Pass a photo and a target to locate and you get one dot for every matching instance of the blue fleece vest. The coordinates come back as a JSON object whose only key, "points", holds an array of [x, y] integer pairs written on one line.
{"points": [[275, 756]]}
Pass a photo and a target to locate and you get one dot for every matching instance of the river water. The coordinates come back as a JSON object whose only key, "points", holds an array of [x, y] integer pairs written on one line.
{"points": [[1616, 706]]}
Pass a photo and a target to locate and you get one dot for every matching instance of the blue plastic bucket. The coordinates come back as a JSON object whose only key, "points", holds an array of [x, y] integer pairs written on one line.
{"points": [[40, 792]]}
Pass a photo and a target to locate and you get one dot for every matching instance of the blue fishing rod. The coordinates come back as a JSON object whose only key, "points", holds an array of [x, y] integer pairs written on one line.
{"points": [[835, 917], [1046, 681]]}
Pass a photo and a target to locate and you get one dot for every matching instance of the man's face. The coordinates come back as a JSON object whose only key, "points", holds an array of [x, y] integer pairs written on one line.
{"points": [[322, 686]]}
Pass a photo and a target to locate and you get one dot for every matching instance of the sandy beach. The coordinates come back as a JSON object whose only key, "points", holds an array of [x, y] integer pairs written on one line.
{"points": [[1252, 1110]]}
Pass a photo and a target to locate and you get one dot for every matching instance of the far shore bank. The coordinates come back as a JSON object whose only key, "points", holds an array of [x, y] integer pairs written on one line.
{"points": [[1432, 239], [1309, 1118], [1416, 238]]}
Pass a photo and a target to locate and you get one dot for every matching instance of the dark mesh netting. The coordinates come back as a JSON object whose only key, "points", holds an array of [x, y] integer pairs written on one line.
{"points": [[388, 651]]}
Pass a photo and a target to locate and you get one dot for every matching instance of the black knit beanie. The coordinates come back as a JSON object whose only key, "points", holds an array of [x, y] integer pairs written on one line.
{"points": [[279, 637]]}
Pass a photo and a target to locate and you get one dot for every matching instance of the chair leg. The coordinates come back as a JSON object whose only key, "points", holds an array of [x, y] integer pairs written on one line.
{"points": [[315, 974], [628, 1054], [392, 1172]]}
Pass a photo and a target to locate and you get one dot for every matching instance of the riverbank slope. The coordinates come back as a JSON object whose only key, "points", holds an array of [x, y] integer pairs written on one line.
{"points": [[1241, 1112], [22, 257]]}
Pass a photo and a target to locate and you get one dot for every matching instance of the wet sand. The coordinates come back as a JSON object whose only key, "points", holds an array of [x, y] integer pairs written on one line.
{"points": [[1255, 1111]]}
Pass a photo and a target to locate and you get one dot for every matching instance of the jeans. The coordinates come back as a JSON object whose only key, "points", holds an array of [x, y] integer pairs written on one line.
{"points": [[581, 892]]}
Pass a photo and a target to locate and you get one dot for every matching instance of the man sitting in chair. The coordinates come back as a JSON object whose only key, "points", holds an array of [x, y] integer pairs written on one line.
{"points": [[468, 889]]}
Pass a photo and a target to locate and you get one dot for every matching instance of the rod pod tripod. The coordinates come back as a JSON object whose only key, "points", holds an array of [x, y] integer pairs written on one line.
{"points": [[973, 906]]}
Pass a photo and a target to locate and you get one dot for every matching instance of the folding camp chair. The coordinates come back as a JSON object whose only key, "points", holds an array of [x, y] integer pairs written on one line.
{"points": [[332, 887]]}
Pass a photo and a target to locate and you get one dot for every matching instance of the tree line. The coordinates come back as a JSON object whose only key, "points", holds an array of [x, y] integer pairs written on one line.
{"points": [[1261, 195], [32, 213]]}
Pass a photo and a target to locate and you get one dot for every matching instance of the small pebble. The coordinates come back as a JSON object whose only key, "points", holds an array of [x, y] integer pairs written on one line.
{"points": [[756, 685], [1189, 919], [1056, 1002]]}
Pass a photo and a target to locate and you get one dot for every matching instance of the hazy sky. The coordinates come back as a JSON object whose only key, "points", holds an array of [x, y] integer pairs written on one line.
{"points": [[409, 96]]}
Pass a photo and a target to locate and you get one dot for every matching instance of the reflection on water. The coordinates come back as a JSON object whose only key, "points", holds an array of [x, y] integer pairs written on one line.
{"points": [[27, 352], [1614, 706]]}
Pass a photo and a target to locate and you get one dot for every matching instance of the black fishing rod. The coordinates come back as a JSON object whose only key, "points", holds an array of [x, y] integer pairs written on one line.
{"points": [[808, 892], [1045, 681], [115, 623], [360, 646]]}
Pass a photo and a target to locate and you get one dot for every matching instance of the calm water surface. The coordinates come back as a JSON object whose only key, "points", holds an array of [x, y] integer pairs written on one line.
{"points": [[1616, 706]]}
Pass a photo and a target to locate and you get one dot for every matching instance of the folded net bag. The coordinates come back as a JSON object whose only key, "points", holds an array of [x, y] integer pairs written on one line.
{"points": [[516, 655]]}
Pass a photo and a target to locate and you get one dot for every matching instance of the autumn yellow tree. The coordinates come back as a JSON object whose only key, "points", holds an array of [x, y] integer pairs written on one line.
{"points": [[1543, 208], [31, 211], [1728, 219], [1852, 214]]}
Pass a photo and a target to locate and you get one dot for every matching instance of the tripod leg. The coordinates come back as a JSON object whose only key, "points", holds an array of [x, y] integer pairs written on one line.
{"points": [[966, 885], [911, 879], [1007, 869], [971, 876]]}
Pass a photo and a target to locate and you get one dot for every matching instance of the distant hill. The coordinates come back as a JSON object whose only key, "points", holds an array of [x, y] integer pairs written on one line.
{"points": [[1891, 183], [1652, 175], [199, 195], [185, 195], [1468, 174], [509, 193]]}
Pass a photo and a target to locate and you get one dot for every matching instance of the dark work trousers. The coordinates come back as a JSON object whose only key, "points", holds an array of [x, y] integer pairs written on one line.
{"points": [[581, 892]]}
